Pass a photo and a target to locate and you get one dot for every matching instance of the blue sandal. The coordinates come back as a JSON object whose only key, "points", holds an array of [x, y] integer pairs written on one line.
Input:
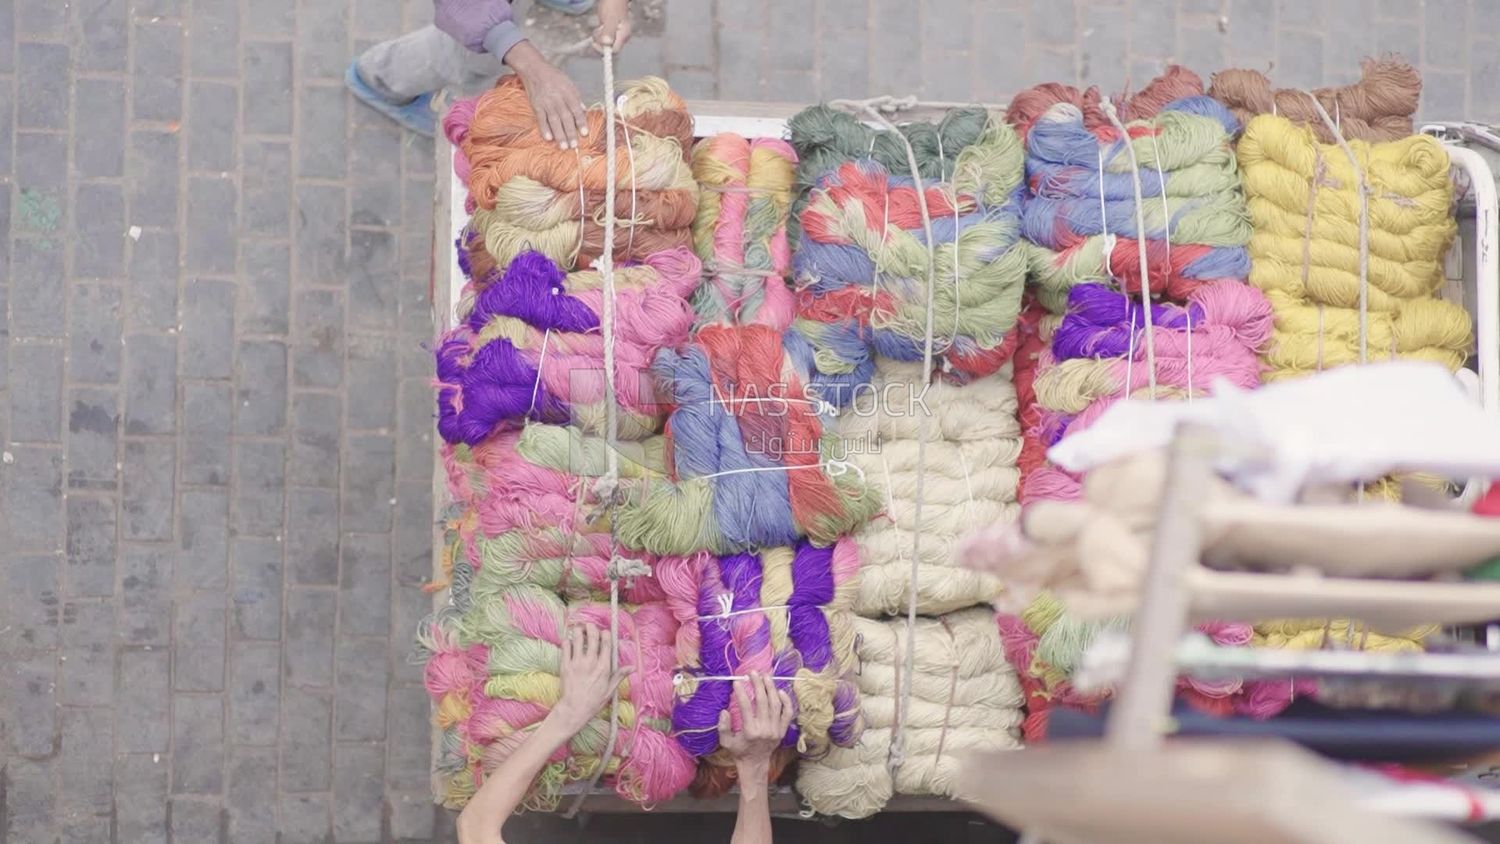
{"points": [[416, 115]]}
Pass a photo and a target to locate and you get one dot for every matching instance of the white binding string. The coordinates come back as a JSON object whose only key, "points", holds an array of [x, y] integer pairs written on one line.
{"points": [[1108, 242], [727, 610], [1166, 210], [836, 468], [1140, 240], [536, 386]]}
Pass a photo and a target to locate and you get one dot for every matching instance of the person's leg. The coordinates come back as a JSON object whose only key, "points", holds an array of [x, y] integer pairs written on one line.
{"points": [[418, 63]]}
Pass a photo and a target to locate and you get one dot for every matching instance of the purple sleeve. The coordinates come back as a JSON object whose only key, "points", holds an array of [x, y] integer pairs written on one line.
{"points": [[480, 25]]}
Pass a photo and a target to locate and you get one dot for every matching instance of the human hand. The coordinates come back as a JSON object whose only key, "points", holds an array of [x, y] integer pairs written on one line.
{"points": [[614, 25], [587, 683], [554, 98], [764, 719]]}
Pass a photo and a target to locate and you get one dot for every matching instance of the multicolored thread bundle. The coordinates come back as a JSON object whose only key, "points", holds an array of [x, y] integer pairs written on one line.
{"points": [[869, 260], [965, 698], [782, 612], [530, 348], [529, 195], [745, 195]]}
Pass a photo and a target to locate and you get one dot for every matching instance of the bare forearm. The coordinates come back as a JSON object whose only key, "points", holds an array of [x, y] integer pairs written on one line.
{"points": [[752, 824], [503, 789]]}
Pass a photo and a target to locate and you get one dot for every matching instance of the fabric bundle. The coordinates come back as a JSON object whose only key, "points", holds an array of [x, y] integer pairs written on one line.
{"points": [[782, 612], [531, 349], [493, 669], [745, 194], [969, 478], [1304, 202], [527, 194], [865, 265], [1109, 322], [964, 697], [1379, 107]]}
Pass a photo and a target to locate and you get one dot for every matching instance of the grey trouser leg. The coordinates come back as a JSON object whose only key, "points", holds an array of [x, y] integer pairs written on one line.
{"points": [[423, 62]]}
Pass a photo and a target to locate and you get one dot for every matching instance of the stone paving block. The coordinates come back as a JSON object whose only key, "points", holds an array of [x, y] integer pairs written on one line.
{"points": [[317, 424], [145, 595], [1104, 45], [321, 23], [267, 93], [32, 599], [99, 123], [260, 388], [365, 586], [151, 294], [42, 103], [322, 113], [256, 600], [99, 231], [89, 796], [41, 162], [259, 487], [37, 299], [146, 489], [94, 347], [371, 390], [306, 740], [1052, 23], [206, 414], [156, 92], [87, 666], [199, 643], [357, 792], [196, 819], [1445, 35], [31, 492], [369, 483], [414, 454], [197, 744], [36, 410], [211, 225], [207, 320], [150, 384], [213, 108], [203, 552], [377, 201], [1443, 92], [359, 704], [265, 289], [312, 536], [1299, 59], [305, 819], [93, 438], [7, 117], [103, 25], [408, 729], [153, 198], [31, 795], [843, 65], [409, 606], [141, 798], [322, 232], [41, 17], [143, 721], [309, 626], [251, 798], [91, 546], [318, 339], [254, 693], [373, 280], [29, 684], [214, 48]]}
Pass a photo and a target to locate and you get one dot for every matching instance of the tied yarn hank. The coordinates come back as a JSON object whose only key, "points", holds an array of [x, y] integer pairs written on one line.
{"points": [[782, 612], [740, 230], [964, 697], [1379, 107]]}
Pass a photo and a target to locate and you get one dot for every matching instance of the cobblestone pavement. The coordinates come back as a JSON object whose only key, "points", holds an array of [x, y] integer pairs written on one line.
{"points": [[214, 495]]}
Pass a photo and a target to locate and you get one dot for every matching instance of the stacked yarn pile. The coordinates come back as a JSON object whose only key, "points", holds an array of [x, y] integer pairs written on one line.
{"points": [[527, 194], [745, 195], [880, 289], [1139, 264], [781, 612], [1095, 339], [965, 697], [865, 265], [1379, 107], [529, 552]]}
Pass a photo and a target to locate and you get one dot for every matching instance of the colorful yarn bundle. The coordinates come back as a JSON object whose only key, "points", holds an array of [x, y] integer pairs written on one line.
{"points": [[1306, 255], [746, 463], [1379, 107], [531, 348], [1110, 210], [870, 262], [970, 478], [529, 195], [783, 612], [964, 697], [518, 630], [745, 193]]}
